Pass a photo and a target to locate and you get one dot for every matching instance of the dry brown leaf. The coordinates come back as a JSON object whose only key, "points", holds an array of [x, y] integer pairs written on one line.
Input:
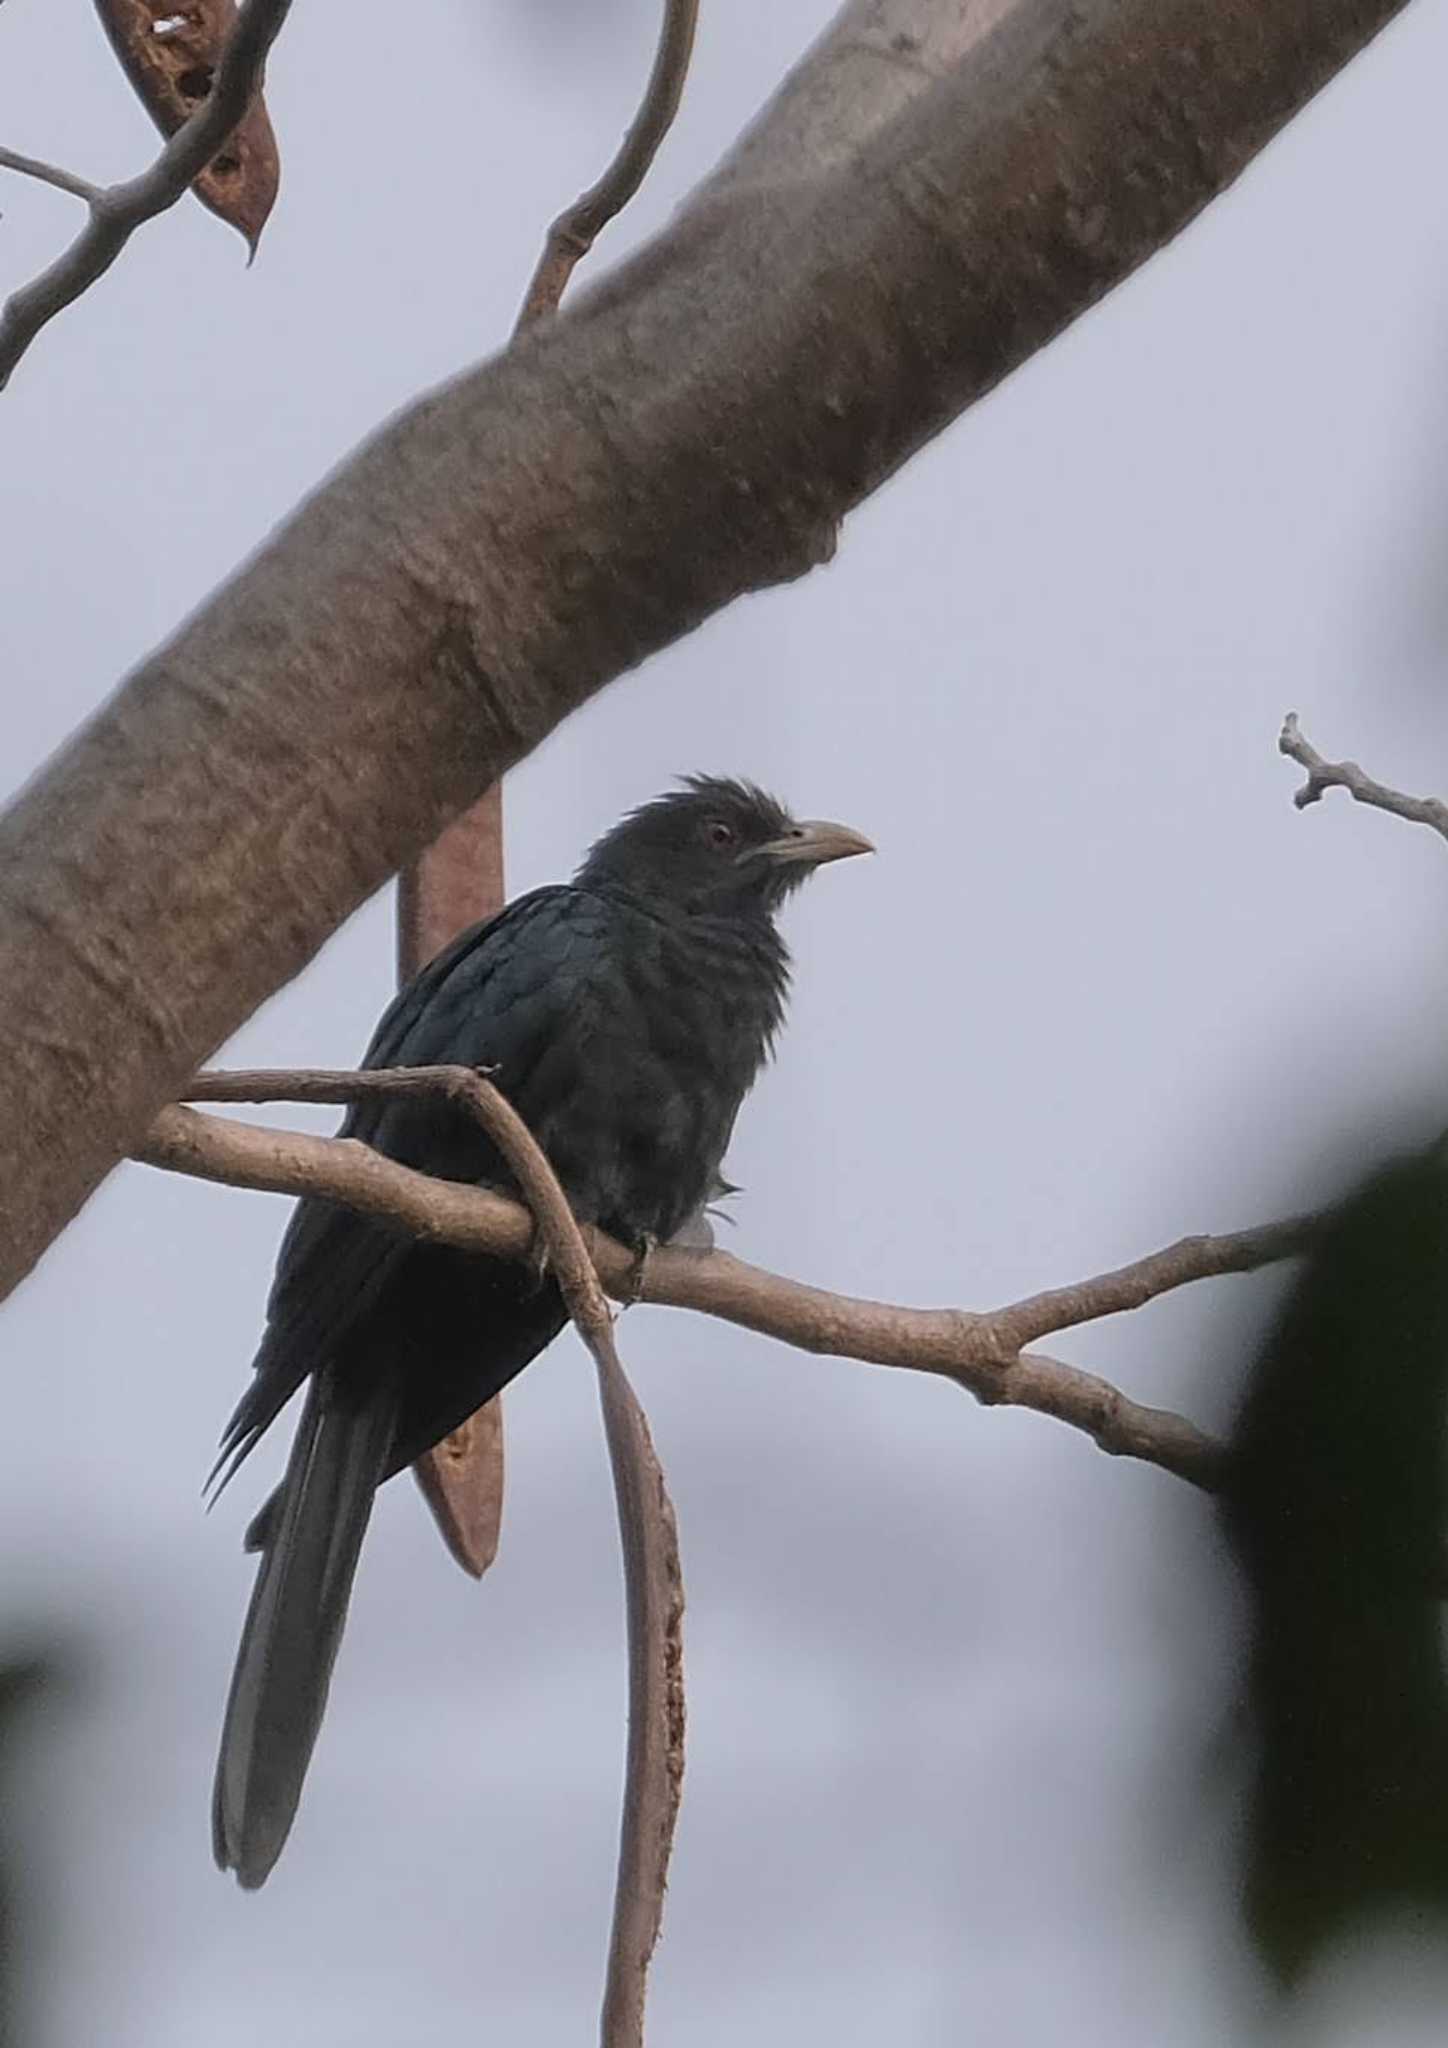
{"points": [[462, 1482], [170, 54]]}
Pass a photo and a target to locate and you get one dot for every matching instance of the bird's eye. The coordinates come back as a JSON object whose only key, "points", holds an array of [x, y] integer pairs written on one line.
{"points": [[719, 834]]}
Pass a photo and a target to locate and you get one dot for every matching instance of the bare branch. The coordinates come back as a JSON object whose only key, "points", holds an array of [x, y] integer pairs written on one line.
{"points": [[576, 230], [117, 211], [653, 1577], [50, 174], [1116, 1424], [1323, 775], [982, 1352]]}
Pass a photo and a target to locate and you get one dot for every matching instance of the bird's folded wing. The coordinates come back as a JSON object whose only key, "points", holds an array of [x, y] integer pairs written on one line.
{"points": [[493, 1000]]}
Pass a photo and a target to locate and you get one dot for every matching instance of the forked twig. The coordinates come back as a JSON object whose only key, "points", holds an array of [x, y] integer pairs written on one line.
{"points": [[974, 1349]]}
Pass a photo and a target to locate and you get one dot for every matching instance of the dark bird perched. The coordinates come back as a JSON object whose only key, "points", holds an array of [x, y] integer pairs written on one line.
{"points": [[625, 1016]]}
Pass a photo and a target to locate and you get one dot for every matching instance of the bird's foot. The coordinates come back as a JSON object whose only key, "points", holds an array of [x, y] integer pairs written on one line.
{"points": [[537, 1263], [643, 1251]]}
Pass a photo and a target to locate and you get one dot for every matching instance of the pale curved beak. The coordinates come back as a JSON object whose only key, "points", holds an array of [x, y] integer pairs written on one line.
{"points": [[816, 840]]}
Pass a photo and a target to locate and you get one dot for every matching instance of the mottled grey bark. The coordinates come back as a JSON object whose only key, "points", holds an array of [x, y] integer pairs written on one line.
{"points": [[938, 191]]}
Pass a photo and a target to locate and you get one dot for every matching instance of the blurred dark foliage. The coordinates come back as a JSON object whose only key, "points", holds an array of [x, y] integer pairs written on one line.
{"points": [[23, 1684], [1336, 1513]]}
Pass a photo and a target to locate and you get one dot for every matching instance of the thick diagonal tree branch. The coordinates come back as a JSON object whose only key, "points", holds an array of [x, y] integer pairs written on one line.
{"points": [[694, 428], [116, 211], [986, 1353]]}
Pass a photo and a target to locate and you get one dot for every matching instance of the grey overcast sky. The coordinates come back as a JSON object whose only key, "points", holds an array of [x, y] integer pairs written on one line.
{"points": [[953, 1674]]}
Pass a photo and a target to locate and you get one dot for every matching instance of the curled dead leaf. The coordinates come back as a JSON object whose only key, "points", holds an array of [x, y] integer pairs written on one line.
{"points": [[170, 52]]}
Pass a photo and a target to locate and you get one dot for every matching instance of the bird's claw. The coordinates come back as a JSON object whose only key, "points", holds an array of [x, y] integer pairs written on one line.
{"points": [[537, 1262], [633, 1288]]}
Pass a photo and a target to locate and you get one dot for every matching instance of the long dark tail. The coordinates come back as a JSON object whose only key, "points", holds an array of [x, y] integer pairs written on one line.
{"points": [[310, 1544]]}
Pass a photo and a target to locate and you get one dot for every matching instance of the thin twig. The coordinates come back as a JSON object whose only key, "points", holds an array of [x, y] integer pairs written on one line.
{"points": [[975, 1350], [50, 174], [648, 1532], [576, 229], [1132, 1287], [117, 211], [1361, 787]]}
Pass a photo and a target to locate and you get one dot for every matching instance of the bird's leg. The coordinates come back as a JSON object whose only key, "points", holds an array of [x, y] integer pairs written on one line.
{"points": [[644, 1247]]}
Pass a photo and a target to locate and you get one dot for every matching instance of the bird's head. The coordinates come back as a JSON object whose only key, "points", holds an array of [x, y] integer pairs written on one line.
{"points": [[717, 845]]}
